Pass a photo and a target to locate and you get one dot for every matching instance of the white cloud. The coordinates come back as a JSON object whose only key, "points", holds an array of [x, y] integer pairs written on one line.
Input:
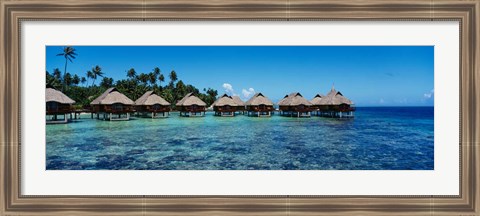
{"points": [[228, 88], [247, 93], [429, 95]]}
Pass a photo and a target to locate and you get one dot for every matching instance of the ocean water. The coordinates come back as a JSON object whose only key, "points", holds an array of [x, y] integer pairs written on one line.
{"points": [[378, 138]]}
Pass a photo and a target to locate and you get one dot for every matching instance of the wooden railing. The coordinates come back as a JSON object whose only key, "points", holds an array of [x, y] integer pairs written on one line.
{"points": [[122, 110], [153, 109], [240, 108], [110, 109], [161, 109], [224, 109], [296, 109], [302, 110], [337, 109], [260, 109], [59, 110], [191, 109]]}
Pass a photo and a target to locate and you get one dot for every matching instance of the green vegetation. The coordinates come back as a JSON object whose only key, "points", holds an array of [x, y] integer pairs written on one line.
{"points": [[83, 89]]}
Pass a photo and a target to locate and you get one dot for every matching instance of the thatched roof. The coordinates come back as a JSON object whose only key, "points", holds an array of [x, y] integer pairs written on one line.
{"points": [[150, 98], [225, 100], [259, 99], [335, 97], [238, 101], [112, 96], [294, 99], [189, 100], [316, 100], [53, 95]]}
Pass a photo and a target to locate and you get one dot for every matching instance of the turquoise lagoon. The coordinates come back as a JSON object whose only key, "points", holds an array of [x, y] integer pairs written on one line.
{"points": [[378, 138]]}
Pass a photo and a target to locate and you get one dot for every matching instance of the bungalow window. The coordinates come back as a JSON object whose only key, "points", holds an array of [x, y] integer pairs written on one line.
{"points": [[117, 107], [156, 107], [344, 107], [52, 106]]}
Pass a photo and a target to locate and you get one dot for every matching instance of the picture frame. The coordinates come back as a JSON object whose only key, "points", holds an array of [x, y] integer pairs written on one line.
{"points": [[12, 14]]}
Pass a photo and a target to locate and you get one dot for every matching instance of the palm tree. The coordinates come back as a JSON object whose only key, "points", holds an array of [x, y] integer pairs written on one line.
{"points": [[52, 81], [173, 76], [67, 79], [97, 72], [180, 90], [152, 77], [157, 72], [167, 94], [89, 75], [83, 80], [161, 78], [57, 74], [69, 54], [131, 73], [106, 82], [76, 79], [143, 78]]}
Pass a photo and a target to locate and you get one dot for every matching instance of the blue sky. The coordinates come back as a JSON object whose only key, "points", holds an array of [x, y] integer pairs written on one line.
{"points": [[368, 75]]}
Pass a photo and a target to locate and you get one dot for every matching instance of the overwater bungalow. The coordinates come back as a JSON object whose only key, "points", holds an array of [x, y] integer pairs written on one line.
{"points": [[333, 105], [190, 105], [259, 105], [316, 104], [225, 106], [112, 105], [151, 103], [295, 105], [57, 104], [240, 104]]}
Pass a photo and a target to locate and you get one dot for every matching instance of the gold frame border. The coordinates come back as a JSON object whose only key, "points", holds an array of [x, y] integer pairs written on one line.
{"points": [[13, 12]]}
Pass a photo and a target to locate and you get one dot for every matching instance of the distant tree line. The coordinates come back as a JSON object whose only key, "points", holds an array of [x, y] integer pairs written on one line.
{"points": [[83, 89]]}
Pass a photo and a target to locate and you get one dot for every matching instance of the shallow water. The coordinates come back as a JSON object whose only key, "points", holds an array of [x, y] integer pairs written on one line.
{"points": [[378, 138]]}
